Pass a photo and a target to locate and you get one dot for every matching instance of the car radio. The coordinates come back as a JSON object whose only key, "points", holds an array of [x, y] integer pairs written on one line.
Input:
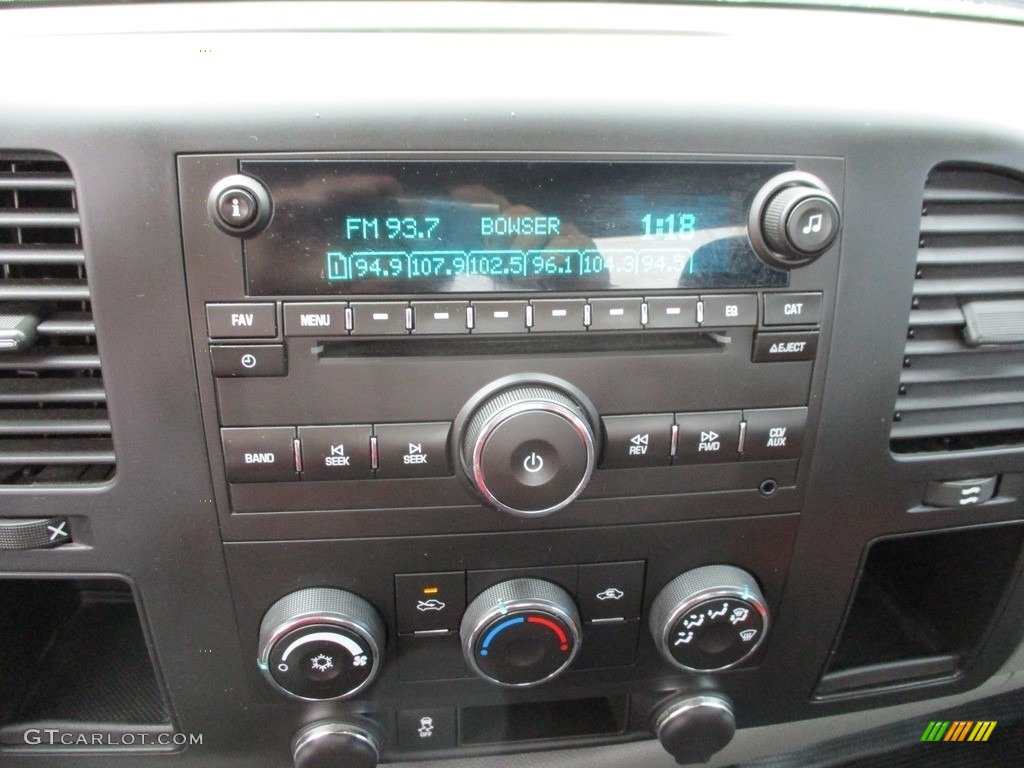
{"points": [[518, 332]]}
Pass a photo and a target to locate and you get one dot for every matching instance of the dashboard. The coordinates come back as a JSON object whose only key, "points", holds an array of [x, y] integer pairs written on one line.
{"points": [[513, 383]]}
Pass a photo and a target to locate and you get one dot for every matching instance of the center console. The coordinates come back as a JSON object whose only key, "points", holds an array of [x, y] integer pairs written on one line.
{"points": [[529, 423]]}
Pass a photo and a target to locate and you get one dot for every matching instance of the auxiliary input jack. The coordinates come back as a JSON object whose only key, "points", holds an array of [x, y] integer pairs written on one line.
{"points": [[767, 488]]}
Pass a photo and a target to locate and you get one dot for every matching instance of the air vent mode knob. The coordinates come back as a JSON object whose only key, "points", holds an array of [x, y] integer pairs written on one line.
{"points": [[710, 618], [794, 219], [521, 633], [321, 643], [528, 446]]}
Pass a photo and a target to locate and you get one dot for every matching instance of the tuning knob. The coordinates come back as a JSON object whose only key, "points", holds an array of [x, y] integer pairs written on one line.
{"points": [[521, 633], [710, 618], [794, 219], [321, 643], [528, 446], [328, 745]]}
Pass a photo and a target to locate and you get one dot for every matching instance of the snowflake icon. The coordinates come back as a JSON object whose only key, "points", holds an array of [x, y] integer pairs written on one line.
{"points": [[322, 663], [359, 661]]}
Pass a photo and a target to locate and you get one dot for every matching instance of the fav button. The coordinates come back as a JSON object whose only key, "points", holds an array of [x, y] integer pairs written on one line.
{"points": [[412, 450], [241, 321]]}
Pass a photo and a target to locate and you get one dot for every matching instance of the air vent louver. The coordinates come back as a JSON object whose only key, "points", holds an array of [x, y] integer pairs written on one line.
{"points": [[962, 385], [53, 416]]}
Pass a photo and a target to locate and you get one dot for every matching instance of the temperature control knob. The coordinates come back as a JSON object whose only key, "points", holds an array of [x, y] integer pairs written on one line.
{"points": [[321, 643], [709, 618], [794, 219], [528, 446], [521, 633]]}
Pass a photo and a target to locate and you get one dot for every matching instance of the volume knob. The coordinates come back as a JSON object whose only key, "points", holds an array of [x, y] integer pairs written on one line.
{"points": [[528, 447]]}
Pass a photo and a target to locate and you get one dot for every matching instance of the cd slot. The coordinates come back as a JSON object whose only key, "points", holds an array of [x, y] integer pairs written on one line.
{"points": [[549, 344]]}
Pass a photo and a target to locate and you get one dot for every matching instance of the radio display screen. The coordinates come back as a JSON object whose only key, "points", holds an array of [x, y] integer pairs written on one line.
{"points": [[364, 227]]}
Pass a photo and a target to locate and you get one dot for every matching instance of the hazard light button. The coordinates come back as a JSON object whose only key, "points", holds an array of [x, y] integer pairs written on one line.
{"points": [[708, 437], [637, 441]]}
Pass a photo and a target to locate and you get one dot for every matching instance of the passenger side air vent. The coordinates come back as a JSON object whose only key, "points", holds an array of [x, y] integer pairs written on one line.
{"points": [[962, 385], [53, 416]]}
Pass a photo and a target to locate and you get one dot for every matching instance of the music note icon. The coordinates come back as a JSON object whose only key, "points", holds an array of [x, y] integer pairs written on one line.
{"points": [[813, 224]]}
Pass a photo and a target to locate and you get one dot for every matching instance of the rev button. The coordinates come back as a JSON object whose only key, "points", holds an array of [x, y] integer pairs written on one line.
{"points": [[637, 441]]}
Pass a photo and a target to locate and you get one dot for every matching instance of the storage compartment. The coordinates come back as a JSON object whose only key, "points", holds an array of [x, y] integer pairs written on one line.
{"points": [[543, 720], [73, 657], [923, 604]]}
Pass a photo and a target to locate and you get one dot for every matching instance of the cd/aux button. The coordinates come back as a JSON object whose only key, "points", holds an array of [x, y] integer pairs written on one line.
{"points": [[774, 433]]}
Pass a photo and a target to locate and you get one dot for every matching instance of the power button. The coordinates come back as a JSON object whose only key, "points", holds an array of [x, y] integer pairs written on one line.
{"points": [[535, 463]]}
